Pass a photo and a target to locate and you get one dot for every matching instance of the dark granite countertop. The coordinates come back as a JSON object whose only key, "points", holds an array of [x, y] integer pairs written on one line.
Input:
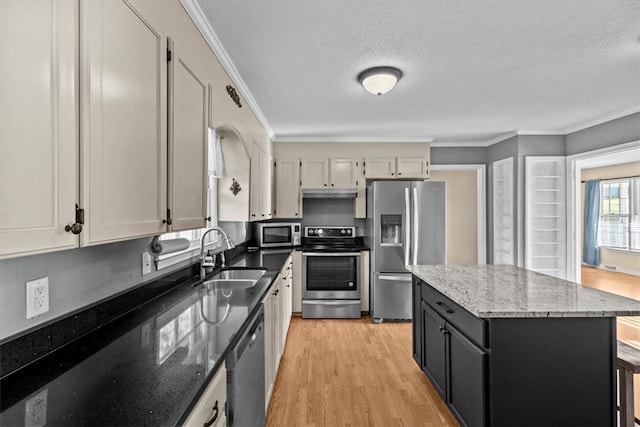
{"points": [[147, 367]]}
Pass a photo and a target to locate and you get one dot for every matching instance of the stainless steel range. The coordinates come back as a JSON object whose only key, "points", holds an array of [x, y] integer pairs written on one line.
{"points": [[330, 273]]}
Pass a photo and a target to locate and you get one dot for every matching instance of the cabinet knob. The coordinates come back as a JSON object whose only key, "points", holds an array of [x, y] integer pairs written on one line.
{"points": [[325, 185], [208, 218], [253, 214], [167, 221], [213, 419], [332, 185], [74, 228], [399, 173], [391, 173]]}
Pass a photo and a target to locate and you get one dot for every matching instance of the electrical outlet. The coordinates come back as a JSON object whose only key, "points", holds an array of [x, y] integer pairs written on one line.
{"points": [[146, 263], [37, 297]]}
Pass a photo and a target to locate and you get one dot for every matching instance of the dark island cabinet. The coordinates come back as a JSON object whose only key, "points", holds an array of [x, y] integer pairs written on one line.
{"points": [[416, 319], [455, 366], [520, 371]]}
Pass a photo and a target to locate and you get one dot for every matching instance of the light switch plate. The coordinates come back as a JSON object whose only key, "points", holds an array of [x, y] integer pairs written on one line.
{"points": [[37, 297]]}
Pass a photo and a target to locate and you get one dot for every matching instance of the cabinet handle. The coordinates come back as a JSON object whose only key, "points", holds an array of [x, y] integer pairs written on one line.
{"points": [[213, 419], [74, 228], [447, 309]]}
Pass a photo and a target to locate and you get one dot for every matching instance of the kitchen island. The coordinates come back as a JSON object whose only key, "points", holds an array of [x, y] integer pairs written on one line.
{"points": [[506, 346]]}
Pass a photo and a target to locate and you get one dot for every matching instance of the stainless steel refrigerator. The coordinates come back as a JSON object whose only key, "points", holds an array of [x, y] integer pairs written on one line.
{"points": [[406, 225]]}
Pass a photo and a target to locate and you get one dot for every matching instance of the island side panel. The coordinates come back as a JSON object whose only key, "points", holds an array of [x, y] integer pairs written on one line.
{"points": [[552, 371]]}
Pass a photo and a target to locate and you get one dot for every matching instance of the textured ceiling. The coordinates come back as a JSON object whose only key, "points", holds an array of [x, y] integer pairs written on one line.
{"points": [[473, 70]]}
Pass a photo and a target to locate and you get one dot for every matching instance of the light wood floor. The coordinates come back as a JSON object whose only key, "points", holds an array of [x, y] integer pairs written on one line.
{"points": [[352, 373], [628, 328], [623, 284]]}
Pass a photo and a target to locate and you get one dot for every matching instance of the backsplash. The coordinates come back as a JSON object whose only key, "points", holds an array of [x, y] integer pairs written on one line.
{"points": [[331, 212], [78, 278]]}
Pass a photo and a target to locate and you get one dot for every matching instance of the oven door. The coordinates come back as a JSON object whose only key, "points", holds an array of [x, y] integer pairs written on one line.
{"points": [[331, 275]]}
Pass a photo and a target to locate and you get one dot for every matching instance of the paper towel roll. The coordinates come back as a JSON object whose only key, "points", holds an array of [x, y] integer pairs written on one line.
{"points": [[162, 247]]}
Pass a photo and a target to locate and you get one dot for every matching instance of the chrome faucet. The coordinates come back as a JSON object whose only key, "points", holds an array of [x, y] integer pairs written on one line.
{"points": [[203, 260]]}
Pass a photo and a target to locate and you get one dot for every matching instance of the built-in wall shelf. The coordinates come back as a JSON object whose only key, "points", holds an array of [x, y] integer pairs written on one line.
{"points": [[545, 222], [503, 239]]}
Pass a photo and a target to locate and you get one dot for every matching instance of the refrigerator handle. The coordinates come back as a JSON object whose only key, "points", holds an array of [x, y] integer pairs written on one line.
{"points": [[407, 225], [414, 227]]}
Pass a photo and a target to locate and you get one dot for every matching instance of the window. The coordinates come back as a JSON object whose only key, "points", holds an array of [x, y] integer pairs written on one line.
{"points": [[620, 214], [215, 164]]}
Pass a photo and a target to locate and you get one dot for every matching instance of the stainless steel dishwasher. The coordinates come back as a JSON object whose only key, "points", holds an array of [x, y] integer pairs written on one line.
{"points": [[245, 376]]}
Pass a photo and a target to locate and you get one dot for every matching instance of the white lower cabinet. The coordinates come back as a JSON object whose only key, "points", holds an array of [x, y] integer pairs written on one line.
{"points": [[277, 317], [211, 408], [296, 282]]}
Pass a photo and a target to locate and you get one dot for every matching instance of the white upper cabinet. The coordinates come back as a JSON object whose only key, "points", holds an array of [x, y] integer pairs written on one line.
{"points": [[38, 122], [343, 173], [412, 167], [384, 167], [314, 173], [287, 188], [233, 190], [124, 109], [187, 126], [261, 176], [396, 167]]}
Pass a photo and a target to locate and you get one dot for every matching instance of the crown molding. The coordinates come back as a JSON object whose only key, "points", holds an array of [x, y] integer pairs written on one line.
{"points": [[350, 139], [586, 125], [198, 17]]}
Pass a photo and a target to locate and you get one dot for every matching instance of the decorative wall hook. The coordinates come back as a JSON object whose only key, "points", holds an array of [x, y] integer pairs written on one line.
{"points": [[235, 187]]}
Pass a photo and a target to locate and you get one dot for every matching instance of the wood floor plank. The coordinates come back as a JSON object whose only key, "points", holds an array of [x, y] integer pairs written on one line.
{"points": [[337, 372]]}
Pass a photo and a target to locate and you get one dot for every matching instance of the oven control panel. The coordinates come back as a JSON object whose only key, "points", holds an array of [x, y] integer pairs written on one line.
{"points": [[330, 232]]}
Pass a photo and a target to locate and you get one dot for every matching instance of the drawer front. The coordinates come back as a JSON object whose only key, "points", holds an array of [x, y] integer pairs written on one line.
{"points": [[211, 408], [471, 326]]}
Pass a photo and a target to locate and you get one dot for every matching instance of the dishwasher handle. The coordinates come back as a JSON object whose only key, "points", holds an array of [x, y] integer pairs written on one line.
{"points": [[250, 336]]}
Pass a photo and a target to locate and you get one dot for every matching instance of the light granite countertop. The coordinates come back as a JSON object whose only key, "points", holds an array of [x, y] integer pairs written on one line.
{"points": [[501, 291]]}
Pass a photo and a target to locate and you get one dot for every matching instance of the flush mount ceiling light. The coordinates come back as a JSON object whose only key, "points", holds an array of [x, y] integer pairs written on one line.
{"points": [[379, 80]]}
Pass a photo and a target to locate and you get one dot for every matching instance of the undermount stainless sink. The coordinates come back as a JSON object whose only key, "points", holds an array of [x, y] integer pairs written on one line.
{"points": [[235, 278], [239, 274], [230, 283]]}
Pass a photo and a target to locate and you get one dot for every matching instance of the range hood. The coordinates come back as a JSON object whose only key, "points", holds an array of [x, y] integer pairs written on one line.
{"points": [[329, 193]]}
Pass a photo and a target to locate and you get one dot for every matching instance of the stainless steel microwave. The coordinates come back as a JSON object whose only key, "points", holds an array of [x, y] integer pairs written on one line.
{"points": [[278, 234]]}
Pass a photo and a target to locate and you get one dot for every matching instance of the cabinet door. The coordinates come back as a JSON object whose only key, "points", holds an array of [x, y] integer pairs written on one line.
{"points": [[343, 173], [314, 173], [364, 281], [417, 322], [467, 378], [124, 108], [266, 202], [210, 409], [256, 183], [380, 167], [277, 326], [38, 125], [434, 355], [188, 124], [269, 335], [296, 286], [287, 188], [412, 167]]}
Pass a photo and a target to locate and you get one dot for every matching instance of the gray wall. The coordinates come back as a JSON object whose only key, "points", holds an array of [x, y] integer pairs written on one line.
{"points": [[615, 132], [78, 278], [458, 155]]}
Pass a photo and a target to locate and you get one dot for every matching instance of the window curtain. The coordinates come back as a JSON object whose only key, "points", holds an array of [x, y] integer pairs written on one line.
{"points": [[590, 249], [217, 167]]}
